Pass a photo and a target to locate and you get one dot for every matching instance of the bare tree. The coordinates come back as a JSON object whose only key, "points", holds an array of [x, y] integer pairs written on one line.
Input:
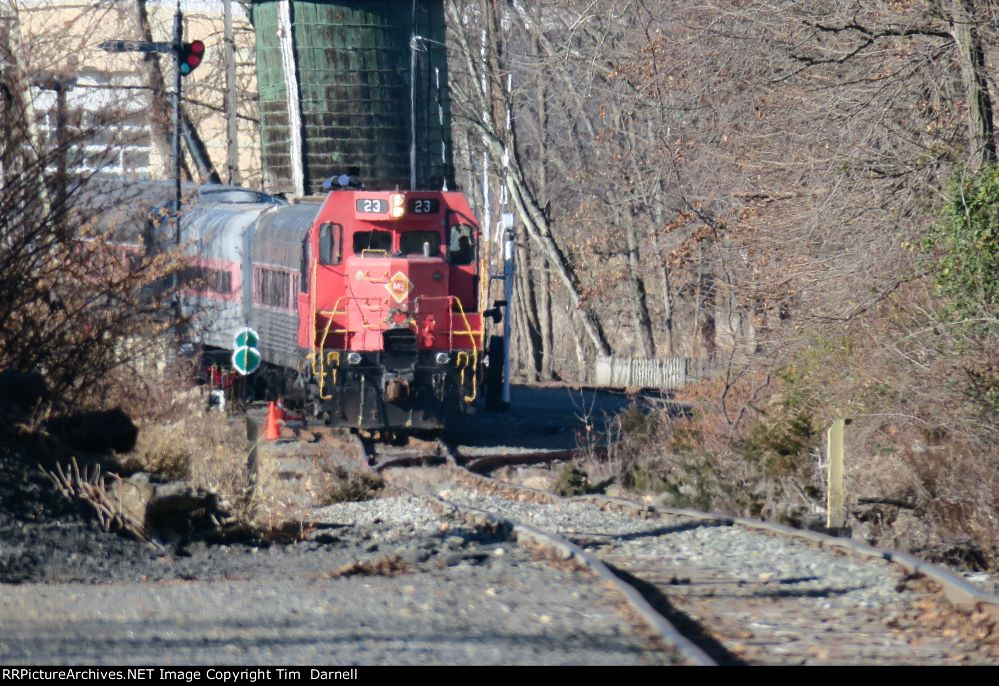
{"points": [[484, 101]]}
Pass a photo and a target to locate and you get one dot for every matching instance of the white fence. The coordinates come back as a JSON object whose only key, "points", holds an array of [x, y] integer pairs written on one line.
{"points": [[672, 372]]}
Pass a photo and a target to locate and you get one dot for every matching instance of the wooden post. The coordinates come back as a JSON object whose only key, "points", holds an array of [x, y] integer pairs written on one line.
{"points": [[252, 458], [835, 511]]}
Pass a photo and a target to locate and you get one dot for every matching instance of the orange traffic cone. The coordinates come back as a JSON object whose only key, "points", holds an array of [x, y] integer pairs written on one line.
{"points": [[281, 414], [272, 431]]}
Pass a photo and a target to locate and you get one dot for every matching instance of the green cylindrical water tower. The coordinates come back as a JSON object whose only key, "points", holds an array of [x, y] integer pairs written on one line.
{"points": [[353, 83]]}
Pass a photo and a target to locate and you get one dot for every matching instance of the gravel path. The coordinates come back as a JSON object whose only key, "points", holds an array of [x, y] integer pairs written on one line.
{"points": [[430, 591], [497, 610], [391, 581]]}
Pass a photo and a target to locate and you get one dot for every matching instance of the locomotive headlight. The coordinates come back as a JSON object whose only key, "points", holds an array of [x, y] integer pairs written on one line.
{"points": [[397, 205], [354, 358], [442, 358]]}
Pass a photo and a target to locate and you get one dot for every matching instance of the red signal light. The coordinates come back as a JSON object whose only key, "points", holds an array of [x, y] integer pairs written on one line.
{"points": [[191, 55]]}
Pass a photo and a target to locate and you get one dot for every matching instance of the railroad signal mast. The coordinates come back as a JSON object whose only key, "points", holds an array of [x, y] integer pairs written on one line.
{"points": [[187, 57]]}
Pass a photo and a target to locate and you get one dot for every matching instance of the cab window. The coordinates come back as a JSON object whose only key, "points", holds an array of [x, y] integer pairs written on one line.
{"points": [[411, 243], [372, 240], [330, 238], [461, 244]]}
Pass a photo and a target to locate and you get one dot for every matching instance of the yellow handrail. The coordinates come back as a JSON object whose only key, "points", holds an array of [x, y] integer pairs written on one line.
{"points": [[475, 350], [464, 359], [314, 299], [333, 355]]}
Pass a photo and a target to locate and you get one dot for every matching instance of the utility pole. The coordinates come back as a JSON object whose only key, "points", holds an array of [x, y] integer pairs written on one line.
{"points": [[231, 104], [186, 58], [59, 84], [16, 107], [178, 46]]}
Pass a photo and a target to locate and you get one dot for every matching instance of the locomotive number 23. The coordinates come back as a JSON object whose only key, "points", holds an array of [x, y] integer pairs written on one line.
{"points": [[424, 206], [371, 206]]}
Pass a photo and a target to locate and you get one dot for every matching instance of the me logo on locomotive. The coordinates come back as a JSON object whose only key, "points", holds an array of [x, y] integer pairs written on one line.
{"points": [[399, 286]]}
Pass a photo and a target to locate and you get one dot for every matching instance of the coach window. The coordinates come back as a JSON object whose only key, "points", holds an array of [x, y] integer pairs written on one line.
{"points": [[272, 287], [330, 241], [461, 245]]}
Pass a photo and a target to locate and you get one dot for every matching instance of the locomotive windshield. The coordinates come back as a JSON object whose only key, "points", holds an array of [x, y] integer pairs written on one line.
{"points": [[411, 243], [372, 240]]}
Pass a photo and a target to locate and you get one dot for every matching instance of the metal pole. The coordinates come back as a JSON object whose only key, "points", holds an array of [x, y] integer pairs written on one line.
{"points": [[412, 110], [508, 272], [61, 85], [232, 147], [178, 44]]}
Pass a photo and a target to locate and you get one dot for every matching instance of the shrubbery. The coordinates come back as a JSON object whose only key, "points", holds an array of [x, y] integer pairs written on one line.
{"points": [[965, 247], [919, 375]]}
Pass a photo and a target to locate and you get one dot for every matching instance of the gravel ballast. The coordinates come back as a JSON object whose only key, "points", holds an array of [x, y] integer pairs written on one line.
{"points": [[759, 598]]}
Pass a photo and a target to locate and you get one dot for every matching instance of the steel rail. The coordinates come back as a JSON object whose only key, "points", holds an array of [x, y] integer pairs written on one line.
{"points": [[560, 548], [958, 592]]}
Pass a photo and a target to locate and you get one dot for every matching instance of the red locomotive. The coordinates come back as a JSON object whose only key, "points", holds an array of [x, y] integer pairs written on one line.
{"points": [[368, 302]]}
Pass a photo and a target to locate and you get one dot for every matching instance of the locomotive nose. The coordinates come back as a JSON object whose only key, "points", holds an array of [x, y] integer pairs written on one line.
{"points": [[394, 298], [427, 274], [398, 283]]}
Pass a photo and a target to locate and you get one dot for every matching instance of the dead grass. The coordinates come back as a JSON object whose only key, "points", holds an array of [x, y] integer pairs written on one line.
{"points": [[347, 486], [698, 461], [390, 565], [922, 462], [571, 481], [180, 439], [207, 449]]}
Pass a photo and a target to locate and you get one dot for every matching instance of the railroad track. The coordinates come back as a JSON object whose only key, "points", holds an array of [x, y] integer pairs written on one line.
{"points": [[719, 590]]}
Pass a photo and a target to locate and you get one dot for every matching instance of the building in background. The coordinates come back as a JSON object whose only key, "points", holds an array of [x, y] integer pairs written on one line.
{"points": [[343, 84], [110, 111]]}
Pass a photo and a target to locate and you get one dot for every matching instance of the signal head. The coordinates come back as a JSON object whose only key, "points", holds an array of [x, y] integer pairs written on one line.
{"points": [[191, 55]]}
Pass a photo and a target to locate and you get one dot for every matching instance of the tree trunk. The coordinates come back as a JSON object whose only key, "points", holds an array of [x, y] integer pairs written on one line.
{"points": [[502, 143], [543, 296], [981, 131], [545, 322], [662, 257], [20, 143], [529, 310], [636, 285], [705, 308], [159, 116]]}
